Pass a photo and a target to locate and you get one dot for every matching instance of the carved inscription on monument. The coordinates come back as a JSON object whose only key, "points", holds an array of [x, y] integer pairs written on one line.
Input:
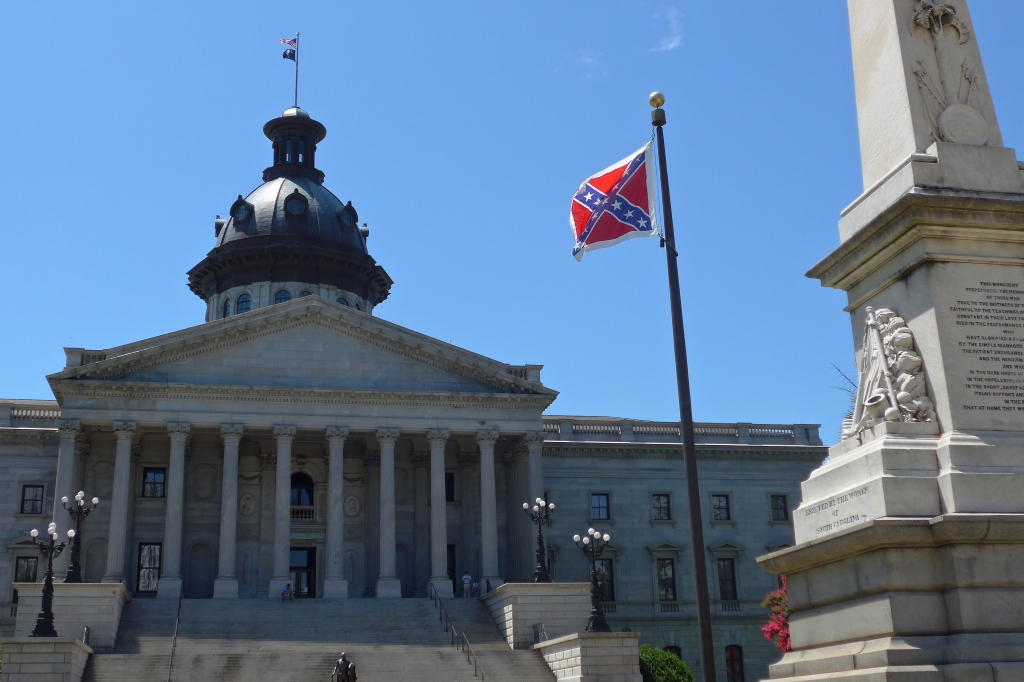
{"points": [[990, 336], [836, 513]]}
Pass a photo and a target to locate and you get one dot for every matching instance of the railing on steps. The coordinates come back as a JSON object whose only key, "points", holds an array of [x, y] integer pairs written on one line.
{"points": [[174, 638], [459, 642]]}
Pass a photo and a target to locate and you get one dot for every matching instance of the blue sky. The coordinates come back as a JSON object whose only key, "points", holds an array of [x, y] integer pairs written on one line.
{"points": [[460, 132]]}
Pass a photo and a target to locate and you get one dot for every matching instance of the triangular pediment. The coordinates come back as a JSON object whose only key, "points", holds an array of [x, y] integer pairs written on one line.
{"points": [[309, 343]]}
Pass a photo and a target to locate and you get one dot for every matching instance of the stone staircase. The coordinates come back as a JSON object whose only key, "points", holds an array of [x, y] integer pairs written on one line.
{"points": [[265, 640]]}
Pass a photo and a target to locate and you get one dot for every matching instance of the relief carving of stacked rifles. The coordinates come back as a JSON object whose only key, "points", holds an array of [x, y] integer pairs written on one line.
{"points": [[891, 380]]}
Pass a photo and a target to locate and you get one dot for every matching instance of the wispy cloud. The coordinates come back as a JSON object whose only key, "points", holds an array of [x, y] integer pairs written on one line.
{"points": [[674, 18]]}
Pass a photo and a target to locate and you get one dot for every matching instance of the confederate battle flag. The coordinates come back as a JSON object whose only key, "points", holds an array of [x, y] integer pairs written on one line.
{"points": [[615, 205]]}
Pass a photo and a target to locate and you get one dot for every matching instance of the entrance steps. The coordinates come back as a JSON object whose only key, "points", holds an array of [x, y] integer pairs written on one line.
{"points": [[245, 640]]}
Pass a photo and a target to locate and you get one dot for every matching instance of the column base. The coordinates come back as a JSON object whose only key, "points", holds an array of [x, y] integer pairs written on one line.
{"points": [[168, 588], [495, 581], [443, 586], [276, 585], [389, 588], [335, 588], [225, 588]]}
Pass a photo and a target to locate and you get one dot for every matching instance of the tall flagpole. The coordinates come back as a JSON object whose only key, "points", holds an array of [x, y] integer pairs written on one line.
{"points": [[296, 69], [700, 572]]}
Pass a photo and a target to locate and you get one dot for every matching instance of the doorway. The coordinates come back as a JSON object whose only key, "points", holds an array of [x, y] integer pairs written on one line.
{"points": [[452, 575], [302, 567]]}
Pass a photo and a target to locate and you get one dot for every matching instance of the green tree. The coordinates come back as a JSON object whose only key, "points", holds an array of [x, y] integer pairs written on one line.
{"points": [[661, 666]]}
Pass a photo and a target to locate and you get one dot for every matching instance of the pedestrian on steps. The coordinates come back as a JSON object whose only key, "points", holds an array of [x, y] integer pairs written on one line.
{"points": [[467, 582], [344, 670], [286, 593]]}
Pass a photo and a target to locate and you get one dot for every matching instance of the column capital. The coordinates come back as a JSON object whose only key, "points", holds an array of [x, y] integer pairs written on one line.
{"points": [[232, 431], [282, 432], [268, 462], [371, 458], [533, 437], [68, 429], [388, 436], [178, 432], [487, 438], [420, 460], [124, 430], [336, 435], [438, 437]]}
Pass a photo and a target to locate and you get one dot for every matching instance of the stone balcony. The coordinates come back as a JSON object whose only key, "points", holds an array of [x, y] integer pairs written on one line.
{"points": [[613, 429]]}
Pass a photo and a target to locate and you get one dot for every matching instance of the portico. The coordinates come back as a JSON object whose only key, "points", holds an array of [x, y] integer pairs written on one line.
{"points": [[227, 458]]}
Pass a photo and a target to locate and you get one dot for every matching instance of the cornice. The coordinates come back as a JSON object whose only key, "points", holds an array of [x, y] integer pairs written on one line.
{"points": [[705, 451], [115, 390], [264, 322]]}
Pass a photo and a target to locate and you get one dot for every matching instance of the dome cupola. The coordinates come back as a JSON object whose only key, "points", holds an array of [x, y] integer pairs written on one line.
{"points": [[290, 236]]}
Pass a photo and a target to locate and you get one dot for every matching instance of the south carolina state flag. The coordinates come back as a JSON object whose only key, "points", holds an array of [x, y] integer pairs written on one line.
{"points": [[615, 205]]}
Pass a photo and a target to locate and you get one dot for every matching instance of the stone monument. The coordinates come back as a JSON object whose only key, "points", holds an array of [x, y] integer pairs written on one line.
{"points": [[910, 537]]}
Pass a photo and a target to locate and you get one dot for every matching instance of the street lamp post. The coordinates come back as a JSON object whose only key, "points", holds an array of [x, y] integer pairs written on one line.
{"points": [[78, 512], [541, 515], [50, 549], [593, 546]]}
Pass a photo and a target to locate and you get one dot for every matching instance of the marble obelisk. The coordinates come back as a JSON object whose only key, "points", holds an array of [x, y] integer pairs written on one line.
{"points": [[910, 536]]}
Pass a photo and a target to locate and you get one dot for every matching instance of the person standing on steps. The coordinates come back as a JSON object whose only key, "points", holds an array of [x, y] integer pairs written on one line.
{"points": [[344, 669], [286, 593], [467, 582]]}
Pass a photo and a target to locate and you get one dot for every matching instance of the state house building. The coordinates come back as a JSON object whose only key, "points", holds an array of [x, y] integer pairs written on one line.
{"points": [[296, 437]]}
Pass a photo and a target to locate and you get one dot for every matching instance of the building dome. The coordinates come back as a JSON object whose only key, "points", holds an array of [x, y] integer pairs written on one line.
{"points": [[290, 234]]}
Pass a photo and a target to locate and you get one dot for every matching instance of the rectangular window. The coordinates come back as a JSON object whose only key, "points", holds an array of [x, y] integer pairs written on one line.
{"points": [[606, 579], [449, 487], [599, 507], [734, 663], [720, 508], [780, 508], [667, 579], [661, 509], [149, 567], [25, 569], [727, 579], [31, 499], [153, 482]]}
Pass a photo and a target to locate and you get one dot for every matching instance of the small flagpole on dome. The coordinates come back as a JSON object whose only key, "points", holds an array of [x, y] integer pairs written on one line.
{"points": [[296, 69], [668, 240]]}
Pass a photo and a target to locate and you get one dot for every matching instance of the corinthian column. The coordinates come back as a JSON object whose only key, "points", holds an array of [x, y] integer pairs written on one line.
{"points": [[226, 584], [282, 510], [119, 503], [388, 584], [335, 584], [68, 430], [535, 445], [488, 511], [439, 577], [169, 586]]}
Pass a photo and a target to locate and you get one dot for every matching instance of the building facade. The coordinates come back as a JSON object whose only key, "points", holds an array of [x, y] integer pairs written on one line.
{"points": [[296, 438]]}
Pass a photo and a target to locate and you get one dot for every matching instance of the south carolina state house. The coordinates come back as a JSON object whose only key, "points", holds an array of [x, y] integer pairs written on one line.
{"points": [[295, 437]]}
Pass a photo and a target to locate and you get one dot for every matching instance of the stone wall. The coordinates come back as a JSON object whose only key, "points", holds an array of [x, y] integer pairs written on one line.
{"points": [[594, 657], [75, 606], [563, 608], [32, 659]]}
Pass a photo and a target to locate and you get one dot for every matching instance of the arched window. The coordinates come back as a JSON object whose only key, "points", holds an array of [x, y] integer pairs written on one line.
{"points": [[288, 152], [344, 301], [227, 307], [359, 307], [734, 663], [305, 293], [243, 305], [282, 296], [302, 490]]}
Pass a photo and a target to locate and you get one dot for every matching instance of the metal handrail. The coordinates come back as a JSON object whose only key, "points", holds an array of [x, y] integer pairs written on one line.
{"points": [[174, 638], [449, 628]]}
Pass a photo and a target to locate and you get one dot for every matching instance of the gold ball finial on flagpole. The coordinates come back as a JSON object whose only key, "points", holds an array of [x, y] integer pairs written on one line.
{"points": [[657, 99]]}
